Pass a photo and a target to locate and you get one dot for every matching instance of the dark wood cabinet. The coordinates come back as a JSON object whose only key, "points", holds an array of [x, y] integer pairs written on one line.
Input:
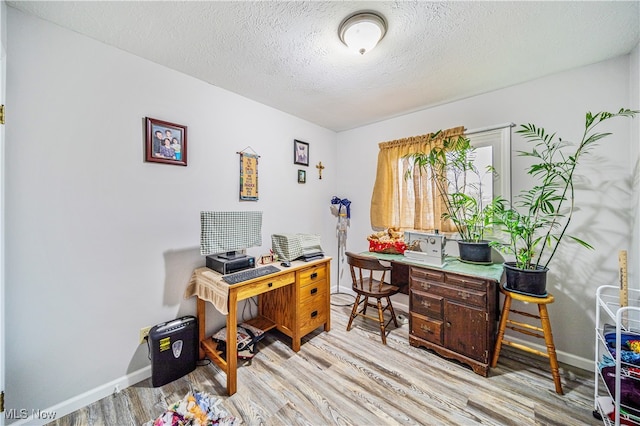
{"points": [[400, 276], [453, 314]]}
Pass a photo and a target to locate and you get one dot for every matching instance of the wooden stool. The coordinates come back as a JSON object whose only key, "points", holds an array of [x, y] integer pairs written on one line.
{"points": [[528, 329]]}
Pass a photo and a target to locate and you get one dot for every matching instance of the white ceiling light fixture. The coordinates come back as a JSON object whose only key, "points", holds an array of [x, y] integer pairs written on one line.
{"points": [[362, 31]]}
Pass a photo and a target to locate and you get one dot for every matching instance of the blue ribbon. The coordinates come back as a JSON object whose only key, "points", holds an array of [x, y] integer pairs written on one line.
{"points": [[342, 202]]}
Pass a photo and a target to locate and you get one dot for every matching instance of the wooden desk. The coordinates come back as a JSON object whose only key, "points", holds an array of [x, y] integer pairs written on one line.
{"points": [[295, 301], [453, 309]]}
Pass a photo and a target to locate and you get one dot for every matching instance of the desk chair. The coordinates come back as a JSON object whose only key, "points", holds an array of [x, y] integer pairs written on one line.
{"points": [[363, 269]]}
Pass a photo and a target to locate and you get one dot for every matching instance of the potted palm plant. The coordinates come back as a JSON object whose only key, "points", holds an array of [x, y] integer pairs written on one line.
{"points": [[538, 220], [459, 183]]}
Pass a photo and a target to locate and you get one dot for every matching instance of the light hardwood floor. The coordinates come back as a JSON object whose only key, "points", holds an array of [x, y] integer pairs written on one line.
{"points": [[350, 378]]}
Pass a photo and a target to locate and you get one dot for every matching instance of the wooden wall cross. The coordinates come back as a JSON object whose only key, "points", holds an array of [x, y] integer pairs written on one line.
{"points": [[320, 167]]}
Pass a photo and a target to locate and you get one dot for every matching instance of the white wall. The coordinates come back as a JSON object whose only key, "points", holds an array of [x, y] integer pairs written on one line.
{"points": [[100, 243], [558, 103]]}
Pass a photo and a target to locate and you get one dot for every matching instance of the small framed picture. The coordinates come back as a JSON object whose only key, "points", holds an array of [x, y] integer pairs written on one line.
{"points": [[300, 153], [165, 142], [302, 176], [266, 259]]}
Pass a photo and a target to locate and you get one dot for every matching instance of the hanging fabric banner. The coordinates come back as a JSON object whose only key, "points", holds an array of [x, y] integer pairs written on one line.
{"points": [[248, 176]]}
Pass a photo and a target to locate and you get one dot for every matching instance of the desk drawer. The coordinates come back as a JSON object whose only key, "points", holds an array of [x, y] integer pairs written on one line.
{"points": [[425, 304], [265, 284], [466, 282], [313, 314], [312, 275], [451, 292], [427, 274], [314, 291], [426, 328]]}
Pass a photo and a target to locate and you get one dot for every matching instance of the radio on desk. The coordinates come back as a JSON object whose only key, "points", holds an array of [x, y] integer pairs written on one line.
{"points": [[226, 265]]}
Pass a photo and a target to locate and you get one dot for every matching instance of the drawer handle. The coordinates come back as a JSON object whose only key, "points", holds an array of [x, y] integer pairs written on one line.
{"points": [[314, 314], [425, 286], [426, 304], [448, 324], [314, 290], [270, 285], [464, 295], [314, 275], [426, 328]]}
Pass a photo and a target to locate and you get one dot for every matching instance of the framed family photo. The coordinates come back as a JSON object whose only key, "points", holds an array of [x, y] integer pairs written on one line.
{"points": [[300, 153], [165, 142], [302, 176]]}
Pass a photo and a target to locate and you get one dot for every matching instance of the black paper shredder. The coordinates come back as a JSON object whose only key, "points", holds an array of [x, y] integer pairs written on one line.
{"points": [[174, 349]]}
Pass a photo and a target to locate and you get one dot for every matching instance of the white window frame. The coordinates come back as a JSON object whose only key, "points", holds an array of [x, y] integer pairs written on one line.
{"points": [[499, 138]]}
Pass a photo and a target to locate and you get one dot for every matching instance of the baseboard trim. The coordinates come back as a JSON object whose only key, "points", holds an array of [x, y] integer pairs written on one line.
{"points": [[564, 357], [86, 398]]}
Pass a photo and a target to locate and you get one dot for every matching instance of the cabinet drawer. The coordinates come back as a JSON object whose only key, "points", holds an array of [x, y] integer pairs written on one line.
{"points": [[466, 282], [314, 291], [426, 304], [312, 315], [450, 292], [426, 328], [264, 285], [419, 284], [312, 274], [427, 274]]}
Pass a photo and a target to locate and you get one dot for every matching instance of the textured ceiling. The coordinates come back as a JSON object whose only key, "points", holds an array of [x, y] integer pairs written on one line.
{"points": [[287, 54]]}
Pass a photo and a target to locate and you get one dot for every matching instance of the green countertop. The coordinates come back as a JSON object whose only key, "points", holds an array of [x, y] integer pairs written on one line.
{"points": [[452, 264]]}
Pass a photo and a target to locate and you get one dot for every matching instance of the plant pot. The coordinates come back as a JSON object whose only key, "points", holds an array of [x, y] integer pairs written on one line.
{"points": [[532, 282], [475, 252]]}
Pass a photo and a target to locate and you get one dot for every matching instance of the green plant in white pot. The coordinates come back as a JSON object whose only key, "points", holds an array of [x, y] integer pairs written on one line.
{"points": [[459, 183], [538, 221]]}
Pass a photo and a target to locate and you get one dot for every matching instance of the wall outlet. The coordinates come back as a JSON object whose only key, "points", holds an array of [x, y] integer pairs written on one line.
{"points": [[144, 333]]}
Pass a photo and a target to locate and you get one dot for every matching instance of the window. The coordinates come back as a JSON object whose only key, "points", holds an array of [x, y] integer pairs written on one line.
{"points": [[414, 203], [494, 144]]}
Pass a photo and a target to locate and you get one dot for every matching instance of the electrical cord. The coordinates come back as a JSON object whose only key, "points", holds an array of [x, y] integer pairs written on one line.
{"points": [[148, 347], [249, 303]]}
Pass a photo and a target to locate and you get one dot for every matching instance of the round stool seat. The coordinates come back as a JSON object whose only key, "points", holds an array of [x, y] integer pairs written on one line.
{"points": [[526, 298]]}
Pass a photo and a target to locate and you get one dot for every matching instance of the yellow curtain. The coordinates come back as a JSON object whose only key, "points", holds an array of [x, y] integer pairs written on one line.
{"points": [[408, 203]]}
